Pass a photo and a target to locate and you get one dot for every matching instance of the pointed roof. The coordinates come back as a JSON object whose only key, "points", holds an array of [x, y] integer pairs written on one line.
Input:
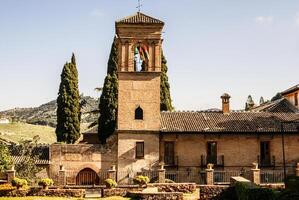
{"points": [[139, 18], [280, 105], [292, 89]]}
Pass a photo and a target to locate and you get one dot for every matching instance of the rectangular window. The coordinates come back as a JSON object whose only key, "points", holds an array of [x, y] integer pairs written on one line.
{"points": [[212, 153], [169, 153], [139, 150], [296, 99], [265, 154]]}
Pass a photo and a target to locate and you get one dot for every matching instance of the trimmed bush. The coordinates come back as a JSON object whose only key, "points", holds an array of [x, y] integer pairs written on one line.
{"points": [[110, 183], [46, 182], [288, 195], [19, 183], [292, 183], [250, 191], [141, 180], [7, 187]]}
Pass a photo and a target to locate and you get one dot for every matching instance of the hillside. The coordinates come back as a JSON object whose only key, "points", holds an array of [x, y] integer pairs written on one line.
{"points": [[46, 113], [15, 132]]}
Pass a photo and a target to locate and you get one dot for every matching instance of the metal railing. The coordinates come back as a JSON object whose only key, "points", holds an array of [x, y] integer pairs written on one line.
{"points": [[223, 177], [272, 176], [186, 176], [216, 160]]}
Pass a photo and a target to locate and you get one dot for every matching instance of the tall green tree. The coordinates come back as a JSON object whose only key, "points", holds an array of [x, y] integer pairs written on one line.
{"points": [[68, 104], [166, 102], [5, 159], [108, 100], [29, 152], [249, 103]]}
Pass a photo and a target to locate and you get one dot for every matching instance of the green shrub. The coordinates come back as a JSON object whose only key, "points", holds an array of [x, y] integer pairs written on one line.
{"points": [[141, 180], [292, 183], [288, 195], [45, 182], [110, 183], [250, 191], [19, 183], [6, 187]]}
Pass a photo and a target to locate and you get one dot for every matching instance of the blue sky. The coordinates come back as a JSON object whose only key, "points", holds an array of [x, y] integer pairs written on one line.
{"points": [[235, 46]]}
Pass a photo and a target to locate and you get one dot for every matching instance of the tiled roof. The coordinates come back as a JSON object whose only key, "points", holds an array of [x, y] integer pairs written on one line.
{"points": [[41, 151], [280, 105], [232, 122], [292, 89], [139, 18]]}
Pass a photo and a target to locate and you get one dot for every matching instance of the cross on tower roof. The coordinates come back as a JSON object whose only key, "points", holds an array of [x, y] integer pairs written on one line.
{"points": [[139, 5]]}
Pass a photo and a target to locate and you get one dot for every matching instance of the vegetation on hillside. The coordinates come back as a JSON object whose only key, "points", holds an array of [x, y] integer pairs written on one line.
{"points": [[45, 114], [5, 159], [16, 132], [68, 105]]}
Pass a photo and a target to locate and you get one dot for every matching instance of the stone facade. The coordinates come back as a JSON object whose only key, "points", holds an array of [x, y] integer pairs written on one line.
{"points": [[239, 150], [292, 95], [138, 90], [74, 158]]}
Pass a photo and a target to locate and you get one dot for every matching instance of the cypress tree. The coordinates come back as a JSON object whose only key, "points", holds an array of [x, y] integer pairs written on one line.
{"points": [[68, 104], [249, 103], [108, 99], [262, 101], [166, 102]]}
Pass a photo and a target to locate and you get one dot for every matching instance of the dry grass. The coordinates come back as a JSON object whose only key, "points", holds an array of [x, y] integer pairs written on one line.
{"points": [[15, 132]]}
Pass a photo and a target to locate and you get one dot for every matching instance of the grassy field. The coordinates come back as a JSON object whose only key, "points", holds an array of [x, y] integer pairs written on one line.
{"points": [[17, 131]]}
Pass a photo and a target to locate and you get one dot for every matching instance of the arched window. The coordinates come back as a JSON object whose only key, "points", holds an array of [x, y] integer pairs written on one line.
{"points": [[141, 57], [139, 113]]}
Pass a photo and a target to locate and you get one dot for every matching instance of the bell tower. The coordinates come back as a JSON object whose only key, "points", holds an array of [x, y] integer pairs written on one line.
{"points": [[139, 47], [139, 40]]}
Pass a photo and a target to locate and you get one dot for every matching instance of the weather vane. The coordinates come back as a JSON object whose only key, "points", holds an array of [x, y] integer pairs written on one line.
{"points": [[139, 5]]}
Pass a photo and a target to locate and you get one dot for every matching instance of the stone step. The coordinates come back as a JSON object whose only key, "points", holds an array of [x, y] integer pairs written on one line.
{"points": [[92, 194]]}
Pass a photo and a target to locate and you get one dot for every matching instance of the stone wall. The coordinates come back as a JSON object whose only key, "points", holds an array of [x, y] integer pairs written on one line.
{"points": [[157, 196], [239, 150], [139, 89], [127, 161], [75, 158], [207, 192], [176, 187]]}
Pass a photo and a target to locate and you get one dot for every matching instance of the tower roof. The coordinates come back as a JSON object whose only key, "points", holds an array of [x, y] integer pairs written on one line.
{"points": [[139, 18]]}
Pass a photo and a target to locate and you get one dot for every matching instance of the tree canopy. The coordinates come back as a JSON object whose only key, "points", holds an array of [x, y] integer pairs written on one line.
{"points": [[108, 100], [166, 102], [68, 104]]}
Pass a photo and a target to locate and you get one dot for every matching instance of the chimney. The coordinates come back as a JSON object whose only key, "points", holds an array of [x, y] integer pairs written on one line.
{"points": [[225, 103]]}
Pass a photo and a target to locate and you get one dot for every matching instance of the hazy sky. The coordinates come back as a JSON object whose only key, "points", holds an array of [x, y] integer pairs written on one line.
{"points": [[237, 46]]}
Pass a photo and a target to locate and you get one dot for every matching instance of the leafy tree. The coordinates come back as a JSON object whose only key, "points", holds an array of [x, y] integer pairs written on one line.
{"points": [[166, 102], [5, 159], [249, 103], [68, 104], [262, 101], [108, 99], [28, 151], [276, 97]]}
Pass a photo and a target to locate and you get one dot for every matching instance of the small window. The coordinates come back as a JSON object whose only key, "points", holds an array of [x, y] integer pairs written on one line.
{"points": [[296, 99], [139, 150], [139, 113]]}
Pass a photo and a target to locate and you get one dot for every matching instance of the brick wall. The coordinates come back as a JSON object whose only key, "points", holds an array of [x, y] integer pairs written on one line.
{"points": [[238, 149]]}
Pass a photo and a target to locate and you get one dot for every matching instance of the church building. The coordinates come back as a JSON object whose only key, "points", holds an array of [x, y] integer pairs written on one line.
{"points": [[146, 137]]}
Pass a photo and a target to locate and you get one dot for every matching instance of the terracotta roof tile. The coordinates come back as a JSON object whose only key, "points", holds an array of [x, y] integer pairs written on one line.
{"points": [[280, 105], [139, 18], [41, 151], [233, 122]]}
